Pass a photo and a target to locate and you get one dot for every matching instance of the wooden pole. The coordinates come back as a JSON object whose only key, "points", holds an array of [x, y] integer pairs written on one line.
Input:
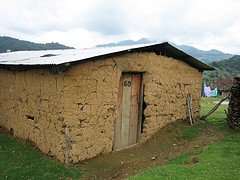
{"points": [[190, 111], [214, 108]]}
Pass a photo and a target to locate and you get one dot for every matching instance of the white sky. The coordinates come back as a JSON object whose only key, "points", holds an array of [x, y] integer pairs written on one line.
{"points": [[204, 24]]}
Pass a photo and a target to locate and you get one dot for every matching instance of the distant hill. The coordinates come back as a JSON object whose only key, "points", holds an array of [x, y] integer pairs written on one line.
{"points": [[126, 42], [205, 56], [12, 44], [225, 69]]}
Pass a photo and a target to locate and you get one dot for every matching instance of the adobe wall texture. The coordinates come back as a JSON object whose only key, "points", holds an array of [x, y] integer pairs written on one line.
{"points": [[74, 112], [31, 107]]}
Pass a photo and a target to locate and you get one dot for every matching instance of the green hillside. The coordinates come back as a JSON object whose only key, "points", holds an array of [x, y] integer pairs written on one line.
{"points": [[12, 44], [225, 69]]}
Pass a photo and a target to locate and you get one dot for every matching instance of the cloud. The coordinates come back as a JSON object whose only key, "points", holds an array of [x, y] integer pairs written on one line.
{"points": [[29, 16], [107, 17], [204, 24]]}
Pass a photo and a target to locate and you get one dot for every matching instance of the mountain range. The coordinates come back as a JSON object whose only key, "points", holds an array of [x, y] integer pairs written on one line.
{"points": [[13, 44], [205, 56], [127, 43]]}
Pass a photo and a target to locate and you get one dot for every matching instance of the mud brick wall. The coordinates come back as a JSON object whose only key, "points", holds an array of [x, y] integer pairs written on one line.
{"points": [[74, 112], [31, 108], [90, 102], [92, 90], [166, 84]]}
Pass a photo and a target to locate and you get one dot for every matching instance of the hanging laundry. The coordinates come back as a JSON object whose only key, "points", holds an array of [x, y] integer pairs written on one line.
{"points": [[215, 92], [207, 91]]}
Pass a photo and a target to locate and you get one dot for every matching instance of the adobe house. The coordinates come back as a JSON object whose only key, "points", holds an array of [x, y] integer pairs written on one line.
{"points": [[76, 104]]}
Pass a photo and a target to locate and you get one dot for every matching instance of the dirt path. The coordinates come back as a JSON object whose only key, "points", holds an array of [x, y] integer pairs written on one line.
{"points": [[165, 145]]}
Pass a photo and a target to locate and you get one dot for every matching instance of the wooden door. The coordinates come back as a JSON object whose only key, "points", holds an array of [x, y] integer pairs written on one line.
{"points": [[128, 123]]}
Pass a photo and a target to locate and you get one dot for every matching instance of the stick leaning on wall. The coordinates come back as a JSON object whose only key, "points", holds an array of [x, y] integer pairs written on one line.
{"points": [[190, 111]]}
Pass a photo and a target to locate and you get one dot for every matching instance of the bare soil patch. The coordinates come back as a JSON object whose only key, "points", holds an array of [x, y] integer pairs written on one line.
{"points": [[162, 147]]}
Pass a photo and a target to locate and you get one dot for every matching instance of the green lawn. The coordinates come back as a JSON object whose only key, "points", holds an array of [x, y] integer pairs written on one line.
{"points": [[219, 160], [18, 160]]}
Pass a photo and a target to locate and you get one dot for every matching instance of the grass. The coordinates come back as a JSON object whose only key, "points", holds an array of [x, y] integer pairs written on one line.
{"points": [[217, 161], [191, 133], [18, 160], [218, 118]]}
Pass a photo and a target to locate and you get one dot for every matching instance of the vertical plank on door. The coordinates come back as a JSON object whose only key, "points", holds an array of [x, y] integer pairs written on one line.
{"points": [[118, 122], [134, 117], [126, 106]]}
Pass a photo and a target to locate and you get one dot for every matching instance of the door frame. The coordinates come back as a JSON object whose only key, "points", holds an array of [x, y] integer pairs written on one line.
{"points": [[118, 120]]}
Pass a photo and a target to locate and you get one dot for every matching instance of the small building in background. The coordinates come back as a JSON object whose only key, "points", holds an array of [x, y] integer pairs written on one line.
{"points": [[223, 85]]}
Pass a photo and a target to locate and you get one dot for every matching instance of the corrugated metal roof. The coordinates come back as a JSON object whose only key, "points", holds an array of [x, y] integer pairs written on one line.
{"points": [[57, 57]]}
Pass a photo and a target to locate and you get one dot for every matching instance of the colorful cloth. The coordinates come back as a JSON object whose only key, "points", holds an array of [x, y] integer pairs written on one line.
{"points": [[215, 92], [207, 91]]}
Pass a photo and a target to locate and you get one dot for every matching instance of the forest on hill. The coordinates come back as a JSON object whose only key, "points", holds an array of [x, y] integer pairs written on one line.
{"points": [[13, 44], [225, 69]]}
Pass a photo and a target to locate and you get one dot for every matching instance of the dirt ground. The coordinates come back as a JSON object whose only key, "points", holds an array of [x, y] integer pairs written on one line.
{"points": [[165, 145]]}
